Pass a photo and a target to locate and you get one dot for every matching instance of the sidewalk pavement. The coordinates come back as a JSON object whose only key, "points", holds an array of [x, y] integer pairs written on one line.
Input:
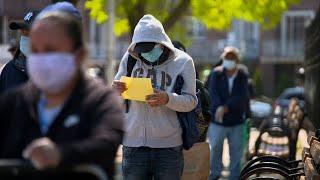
{"points": [[302, 142]]}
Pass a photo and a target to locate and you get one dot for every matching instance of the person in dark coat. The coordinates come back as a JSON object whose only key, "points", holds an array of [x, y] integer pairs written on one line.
{"points": [[60, 118], [14, 72], [228, 87]]}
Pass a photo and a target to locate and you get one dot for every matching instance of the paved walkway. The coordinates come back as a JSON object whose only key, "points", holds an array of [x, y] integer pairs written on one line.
{"points": [[302, 142]]}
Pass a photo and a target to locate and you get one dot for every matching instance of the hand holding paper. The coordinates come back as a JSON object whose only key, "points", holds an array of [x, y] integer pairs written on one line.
{"points": [[159, 98], [120, 87], [137, 88]]}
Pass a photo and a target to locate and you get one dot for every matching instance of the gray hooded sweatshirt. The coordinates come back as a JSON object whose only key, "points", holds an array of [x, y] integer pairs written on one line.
{"points": [[158, 127]]}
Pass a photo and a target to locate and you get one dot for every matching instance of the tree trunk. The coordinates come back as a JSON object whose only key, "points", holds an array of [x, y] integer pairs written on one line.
{"points": [[135, 14], [176, 14], [138, 11]]}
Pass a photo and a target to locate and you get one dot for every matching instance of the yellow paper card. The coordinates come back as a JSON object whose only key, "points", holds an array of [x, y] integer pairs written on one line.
{"points": [[138, 88]]}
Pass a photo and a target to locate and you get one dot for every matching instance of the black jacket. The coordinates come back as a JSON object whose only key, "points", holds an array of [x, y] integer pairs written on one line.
{"points": [[235, 101], [14, 73], [94, 138]]}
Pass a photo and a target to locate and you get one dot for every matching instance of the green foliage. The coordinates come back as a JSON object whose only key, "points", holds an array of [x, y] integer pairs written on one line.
{"points": [[97, 10], [218, 14], [121, 26], [214, 14]]}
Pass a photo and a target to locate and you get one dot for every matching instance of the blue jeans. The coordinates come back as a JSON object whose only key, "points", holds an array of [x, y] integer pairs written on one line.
{"points": [[144, 163], [216, 135]]}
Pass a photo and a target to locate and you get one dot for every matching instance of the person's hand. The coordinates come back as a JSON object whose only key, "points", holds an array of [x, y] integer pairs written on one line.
{"points": [[159, 98], [120, 87], [219, 114], [43, 153]]}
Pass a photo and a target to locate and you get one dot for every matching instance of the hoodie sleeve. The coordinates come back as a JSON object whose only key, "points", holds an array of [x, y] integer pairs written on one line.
{"points": [[122, 71], [188, 100]]}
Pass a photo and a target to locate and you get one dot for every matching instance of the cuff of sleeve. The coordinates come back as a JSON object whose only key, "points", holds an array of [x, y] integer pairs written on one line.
{"points": [[171, 97]]}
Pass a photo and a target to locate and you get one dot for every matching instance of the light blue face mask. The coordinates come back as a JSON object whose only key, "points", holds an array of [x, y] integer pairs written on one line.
{"points": [[153, 55], [25, 45]]}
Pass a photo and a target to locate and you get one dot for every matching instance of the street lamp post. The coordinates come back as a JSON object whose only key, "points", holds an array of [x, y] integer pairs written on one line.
{"points": [[109, 66]]}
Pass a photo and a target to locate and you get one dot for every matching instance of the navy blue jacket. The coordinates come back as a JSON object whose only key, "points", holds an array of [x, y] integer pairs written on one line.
{"points": [[14, 73], [235, 101]]}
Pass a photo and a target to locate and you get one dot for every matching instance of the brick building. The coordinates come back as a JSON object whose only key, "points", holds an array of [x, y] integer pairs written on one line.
{"points": [[274, 53], [283, 48]]}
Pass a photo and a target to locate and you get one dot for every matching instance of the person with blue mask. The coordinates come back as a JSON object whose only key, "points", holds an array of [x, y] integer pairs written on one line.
{"points": [[14, 72], [152, 146]]}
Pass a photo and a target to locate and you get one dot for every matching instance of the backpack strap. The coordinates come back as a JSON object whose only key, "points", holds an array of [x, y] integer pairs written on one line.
{"points": [[130, 64]]}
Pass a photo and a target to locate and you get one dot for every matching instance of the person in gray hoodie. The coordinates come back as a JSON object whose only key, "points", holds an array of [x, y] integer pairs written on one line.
{"points": [[152, 146]]}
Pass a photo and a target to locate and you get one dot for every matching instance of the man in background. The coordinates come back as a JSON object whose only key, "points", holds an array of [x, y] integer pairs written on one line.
{"points": [[14, 73], [228, 87]]}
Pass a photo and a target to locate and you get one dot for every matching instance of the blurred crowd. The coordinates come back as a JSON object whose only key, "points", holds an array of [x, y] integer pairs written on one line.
{"points": [[54, 115]]}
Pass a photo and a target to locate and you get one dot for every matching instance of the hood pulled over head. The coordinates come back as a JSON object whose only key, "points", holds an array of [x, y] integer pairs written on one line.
{"points": [[149, 31]]}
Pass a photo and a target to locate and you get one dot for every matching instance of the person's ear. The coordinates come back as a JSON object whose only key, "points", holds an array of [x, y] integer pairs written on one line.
{"points": [[24, 32], [80, 55]]}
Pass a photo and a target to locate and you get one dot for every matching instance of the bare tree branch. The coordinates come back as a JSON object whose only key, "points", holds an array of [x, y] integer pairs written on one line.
{"points": [[176, 14], [135, 13]]}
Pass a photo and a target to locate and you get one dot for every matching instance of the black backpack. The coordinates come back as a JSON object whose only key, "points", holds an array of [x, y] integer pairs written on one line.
{"points": [[204, 114]]}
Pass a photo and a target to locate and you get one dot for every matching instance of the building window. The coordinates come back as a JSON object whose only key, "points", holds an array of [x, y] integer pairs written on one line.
{"points": [[195, 28], [245, 30], [245, 36], [293, 26]]}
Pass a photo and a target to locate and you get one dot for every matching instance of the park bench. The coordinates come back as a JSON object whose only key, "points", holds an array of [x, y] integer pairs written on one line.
{"points": [[311, 158], [278, 167], [306, 169]]}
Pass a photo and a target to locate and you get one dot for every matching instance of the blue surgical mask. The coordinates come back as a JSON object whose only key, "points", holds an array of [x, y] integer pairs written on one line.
{"points": [[153, 55], [25, 45], [229, 64]]}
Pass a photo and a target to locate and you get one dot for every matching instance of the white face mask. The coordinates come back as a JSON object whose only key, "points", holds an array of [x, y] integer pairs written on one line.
{"points": [[229, 64], [51, 72]]}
